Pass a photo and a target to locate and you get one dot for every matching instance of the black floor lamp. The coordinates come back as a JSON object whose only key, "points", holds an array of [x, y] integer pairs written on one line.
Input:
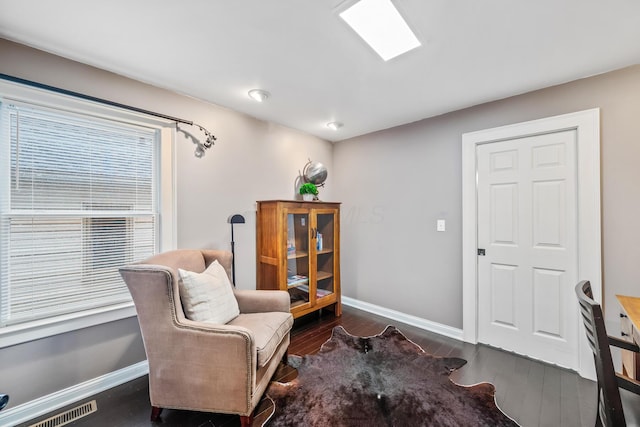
{"points": [[234, 219]]}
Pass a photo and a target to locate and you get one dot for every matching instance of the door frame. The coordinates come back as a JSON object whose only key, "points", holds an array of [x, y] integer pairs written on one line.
{"points": [[587, 126]]}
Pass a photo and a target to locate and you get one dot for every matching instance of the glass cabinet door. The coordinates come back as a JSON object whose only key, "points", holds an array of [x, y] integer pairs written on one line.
{"points": [[324, 241], [298, 240]]}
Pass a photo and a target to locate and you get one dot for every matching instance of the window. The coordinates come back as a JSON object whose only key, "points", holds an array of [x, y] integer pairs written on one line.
{"points": [[79, 198]]}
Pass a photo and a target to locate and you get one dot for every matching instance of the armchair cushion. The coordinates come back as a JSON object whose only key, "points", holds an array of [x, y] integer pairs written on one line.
{"points": [[269, 329], [208, 296]]}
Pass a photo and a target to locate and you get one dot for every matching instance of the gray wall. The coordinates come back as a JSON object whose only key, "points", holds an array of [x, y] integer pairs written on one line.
{"points": [[252, 160], [395, 184]]}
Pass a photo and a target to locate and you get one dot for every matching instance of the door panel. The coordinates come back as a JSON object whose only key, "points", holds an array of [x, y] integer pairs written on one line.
{"points": [[527, 220], [298, 262], [504, 218], [503, 291], [547, 294], [549, 214]]}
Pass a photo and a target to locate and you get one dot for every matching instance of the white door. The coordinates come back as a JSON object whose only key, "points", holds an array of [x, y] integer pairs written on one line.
{"points": [[527, 226]]}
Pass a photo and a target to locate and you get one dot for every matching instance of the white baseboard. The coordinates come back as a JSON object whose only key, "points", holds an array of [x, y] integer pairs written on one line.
{"points": [[409, 319], [49, 403]]}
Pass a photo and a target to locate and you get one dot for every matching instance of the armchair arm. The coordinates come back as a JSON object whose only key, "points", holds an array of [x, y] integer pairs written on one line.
{"points": [[204, 366], [625, 345], [215, 328], [254, 301]]}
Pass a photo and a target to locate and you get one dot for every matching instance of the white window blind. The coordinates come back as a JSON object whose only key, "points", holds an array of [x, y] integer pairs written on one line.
{"points": [[77, 201]]}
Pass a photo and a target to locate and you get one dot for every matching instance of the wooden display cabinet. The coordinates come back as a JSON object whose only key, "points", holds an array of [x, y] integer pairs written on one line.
{"points": [[630, 330], [298, 251]]}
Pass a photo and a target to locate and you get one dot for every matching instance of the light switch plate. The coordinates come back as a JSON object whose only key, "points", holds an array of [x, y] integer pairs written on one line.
{"points": [[440, 225]]}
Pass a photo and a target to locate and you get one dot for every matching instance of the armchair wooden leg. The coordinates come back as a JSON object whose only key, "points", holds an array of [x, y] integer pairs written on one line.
{"points": [[155, 413], [285, 357], [246, 421]]}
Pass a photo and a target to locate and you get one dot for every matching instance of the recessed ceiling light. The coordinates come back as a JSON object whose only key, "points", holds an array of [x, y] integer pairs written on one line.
{"points": [[258, 95], [334, 125], [380, 24]]}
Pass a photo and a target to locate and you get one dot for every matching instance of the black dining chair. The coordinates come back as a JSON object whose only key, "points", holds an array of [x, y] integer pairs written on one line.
{"points": [[610, 405]]}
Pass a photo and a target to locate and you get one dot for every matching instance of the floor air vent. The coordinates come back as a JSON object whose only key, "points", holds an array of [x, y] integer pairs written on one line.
{"points": [[68, 416]]}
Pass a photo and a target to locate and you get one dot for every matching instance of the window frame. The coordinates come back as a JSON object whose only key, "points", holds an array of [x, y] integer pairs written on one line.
{"points": [[166, 196]]}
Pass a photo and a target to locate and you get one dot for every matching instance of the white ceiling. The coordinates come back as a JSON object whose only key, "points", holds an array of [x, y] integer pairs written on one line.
{"points": [[317, 69]]}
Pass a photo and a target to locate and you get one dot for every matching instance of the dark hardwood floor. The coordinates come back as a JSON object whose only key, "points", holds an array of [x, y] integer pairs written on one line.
{"points": [[532, 393]]}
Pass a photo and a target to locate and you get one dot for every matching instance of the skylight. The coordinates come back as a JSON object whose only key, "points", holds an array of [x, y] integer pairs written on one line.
{"points": [[380, 24]]}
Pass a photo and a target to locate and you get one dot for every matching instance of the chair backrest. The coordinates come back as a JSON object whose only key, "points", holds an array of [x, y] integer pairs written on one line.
{"points": [[609, 403]]}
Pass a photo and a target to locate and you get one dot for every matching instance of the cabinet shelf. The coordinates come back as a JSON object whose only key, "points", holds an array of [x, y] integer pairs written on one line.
{"points": [[297, 254], [298, 303], [295, 281], [324, 251], [322, 275], [320, 293]]}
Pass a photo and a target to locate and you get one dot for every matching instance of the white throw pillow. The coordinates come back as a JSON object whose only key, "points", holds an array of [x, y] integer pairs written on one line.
{"points": [[208, 296]]}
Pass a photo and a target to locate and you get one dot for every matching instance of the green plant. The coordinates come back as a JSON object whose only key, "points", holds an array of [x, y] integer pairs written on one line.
{"points": [[309, 188]]}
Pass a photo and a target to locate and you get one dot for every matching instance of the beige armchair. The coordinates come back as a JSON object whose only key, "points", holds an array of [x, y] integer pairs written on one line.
{"points": [[200, 366]]}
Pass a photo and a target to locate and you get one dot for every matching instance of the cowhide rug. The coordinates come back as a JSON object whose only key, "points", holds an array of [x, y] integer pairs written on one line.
{"points": [[383, 380]]}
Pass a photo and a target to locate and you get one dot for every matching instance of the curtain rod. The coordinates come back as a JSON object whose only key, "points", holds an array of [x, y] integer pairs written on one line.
{"points": [[201, 145]]}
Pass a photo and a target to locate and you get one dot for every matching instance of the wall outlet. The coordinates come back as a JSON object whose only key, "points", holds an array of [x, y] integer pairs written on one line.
{"points": [[441, 225]]}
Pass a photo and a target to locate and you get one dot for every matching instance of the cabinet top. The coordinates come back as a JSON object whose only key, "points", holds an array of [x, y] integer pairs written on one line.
{"points": [[299, 201]]}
